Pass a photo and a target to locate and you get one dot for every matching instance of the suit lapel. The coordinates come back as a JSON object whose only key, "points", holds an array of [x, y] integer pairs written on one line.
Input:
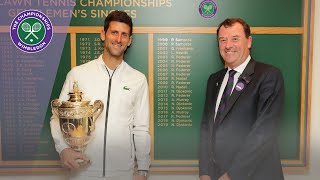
{"points": [[242, 83]]}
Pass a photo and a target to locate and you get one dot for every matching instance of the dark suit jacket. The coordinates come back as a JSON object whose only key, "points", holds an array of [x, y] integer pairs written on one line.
{"points": [[244, 143]]}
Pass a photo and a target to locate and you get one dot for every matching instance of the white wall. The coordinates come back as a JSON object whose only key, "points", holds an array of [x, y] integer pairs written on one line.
{"points": [[314, 173]]}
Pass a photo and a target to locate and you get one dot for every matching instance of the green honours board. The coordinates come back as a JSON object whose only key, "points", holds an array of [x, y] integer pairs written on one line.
{"points": [[181, 71], [176, 48], [89, 47]]}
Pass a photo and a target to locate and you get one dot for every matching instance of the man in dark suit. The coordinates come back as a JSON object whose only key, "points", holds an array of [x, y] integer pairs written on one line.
{"points": [[239, 131]]}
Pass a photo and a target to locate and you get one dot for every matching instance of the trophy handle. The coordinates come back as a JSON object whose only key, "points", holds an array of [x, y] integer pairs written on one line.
{"points": [[55, 104], [97, 109]]}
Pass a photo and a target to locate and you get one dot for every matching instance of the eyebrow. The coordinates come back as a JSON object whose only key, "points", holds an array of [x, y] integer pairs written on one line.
{"points": [[231, 36]]}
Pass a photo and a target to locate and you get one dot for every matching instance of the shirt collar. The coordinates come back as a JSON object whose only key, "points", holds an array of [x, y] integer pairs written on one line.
{"points": [[242, 66], [104, 66]]}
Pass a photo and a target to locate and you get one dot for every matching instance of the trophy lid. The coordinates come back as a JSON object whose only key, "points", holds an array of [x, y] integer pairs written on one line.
{"points": [[75, 98], [76, 94]]}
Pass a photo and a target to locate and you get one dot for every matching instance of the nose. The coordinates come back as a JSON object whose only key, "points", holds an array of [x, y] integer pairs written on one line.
{"points": [[228, 44], [118, 38]]}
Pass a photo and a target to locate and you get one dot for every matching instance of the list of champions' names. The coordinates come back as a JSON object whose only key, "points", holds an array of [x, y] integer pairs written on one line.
{"points": [[173, 56], [20, 107], [89, 47]]}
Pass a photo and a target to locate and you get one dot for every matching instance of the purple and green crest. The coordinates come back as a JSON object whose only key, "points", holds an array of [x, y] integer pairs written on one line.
{"points": [[31, 31], [208, 8]]}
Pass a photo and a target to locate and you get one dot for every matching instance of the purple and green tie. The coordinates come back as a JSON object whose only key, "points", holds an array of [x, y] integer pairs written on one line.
{"points": [[226, 94]]}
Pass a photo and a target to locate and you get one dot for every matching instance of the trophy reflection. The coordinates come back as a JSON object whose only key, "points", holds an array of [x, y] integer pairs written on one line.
{"points": [[77, 119]]}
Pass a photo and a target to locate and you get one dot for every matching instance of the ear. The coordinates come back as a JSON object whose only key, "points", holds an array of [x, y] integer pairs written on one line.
{"points": [[249, 42], [102, 35], [130, 40]]}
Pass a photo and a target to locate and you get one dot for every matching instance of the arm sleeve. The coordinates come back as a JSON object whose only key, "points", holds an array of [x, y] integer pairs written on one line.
{"points": [[204, 153], [141, 127], [204, 139], [263, 136]]}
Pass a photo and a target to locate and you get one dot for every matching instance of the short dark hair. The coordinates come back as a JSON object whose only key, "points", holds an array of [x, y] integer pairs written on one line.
{"points": [[119, 16], [231, 21]]}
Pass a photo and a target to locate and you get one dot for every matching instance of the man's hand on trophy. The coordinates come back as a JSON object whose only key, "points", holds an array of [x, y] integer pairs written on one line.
{"points": [[70, 159], [138, 177]]}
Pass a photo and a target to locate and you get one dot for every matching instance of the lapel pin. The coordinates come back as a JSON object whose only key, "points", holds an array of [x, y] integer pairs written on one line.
{"points": [[239, 86]]}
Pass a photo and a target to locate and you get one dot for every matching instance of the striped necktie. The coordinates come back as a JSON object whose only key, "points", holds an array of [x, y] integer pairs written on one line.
{"points": [[226, 94]]}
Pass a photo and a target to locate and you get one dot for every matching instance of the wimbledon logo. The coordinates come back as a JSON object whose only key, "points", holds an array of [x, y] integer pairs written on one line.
{"points": [[31, 31], [208, 8]]}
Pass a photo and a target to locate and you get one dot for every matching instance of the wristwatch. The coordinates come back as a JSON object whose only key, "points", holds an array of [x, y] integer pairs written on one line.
{"points": [[143, 173]]}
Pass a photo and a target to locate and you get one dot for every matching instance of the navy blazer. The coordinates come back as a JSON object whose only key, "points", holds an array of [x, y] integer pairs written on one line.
{"points": [[244, 144]]}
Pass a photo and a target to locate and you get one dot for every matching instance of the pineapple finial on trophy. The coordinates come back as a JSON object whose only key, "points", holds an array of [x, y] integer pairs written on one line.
{"points": [[76, 94]]}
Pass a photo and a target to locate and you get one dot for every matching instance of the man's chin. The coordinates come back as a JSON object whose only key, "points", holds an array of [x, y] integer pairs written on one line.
{"points": [[229, 60], [117, 54]]}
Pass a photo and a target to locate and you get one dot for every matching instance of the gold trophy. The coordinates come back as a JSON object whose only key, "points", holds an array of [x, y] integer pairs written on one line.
{"points": [[77, 119]]}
